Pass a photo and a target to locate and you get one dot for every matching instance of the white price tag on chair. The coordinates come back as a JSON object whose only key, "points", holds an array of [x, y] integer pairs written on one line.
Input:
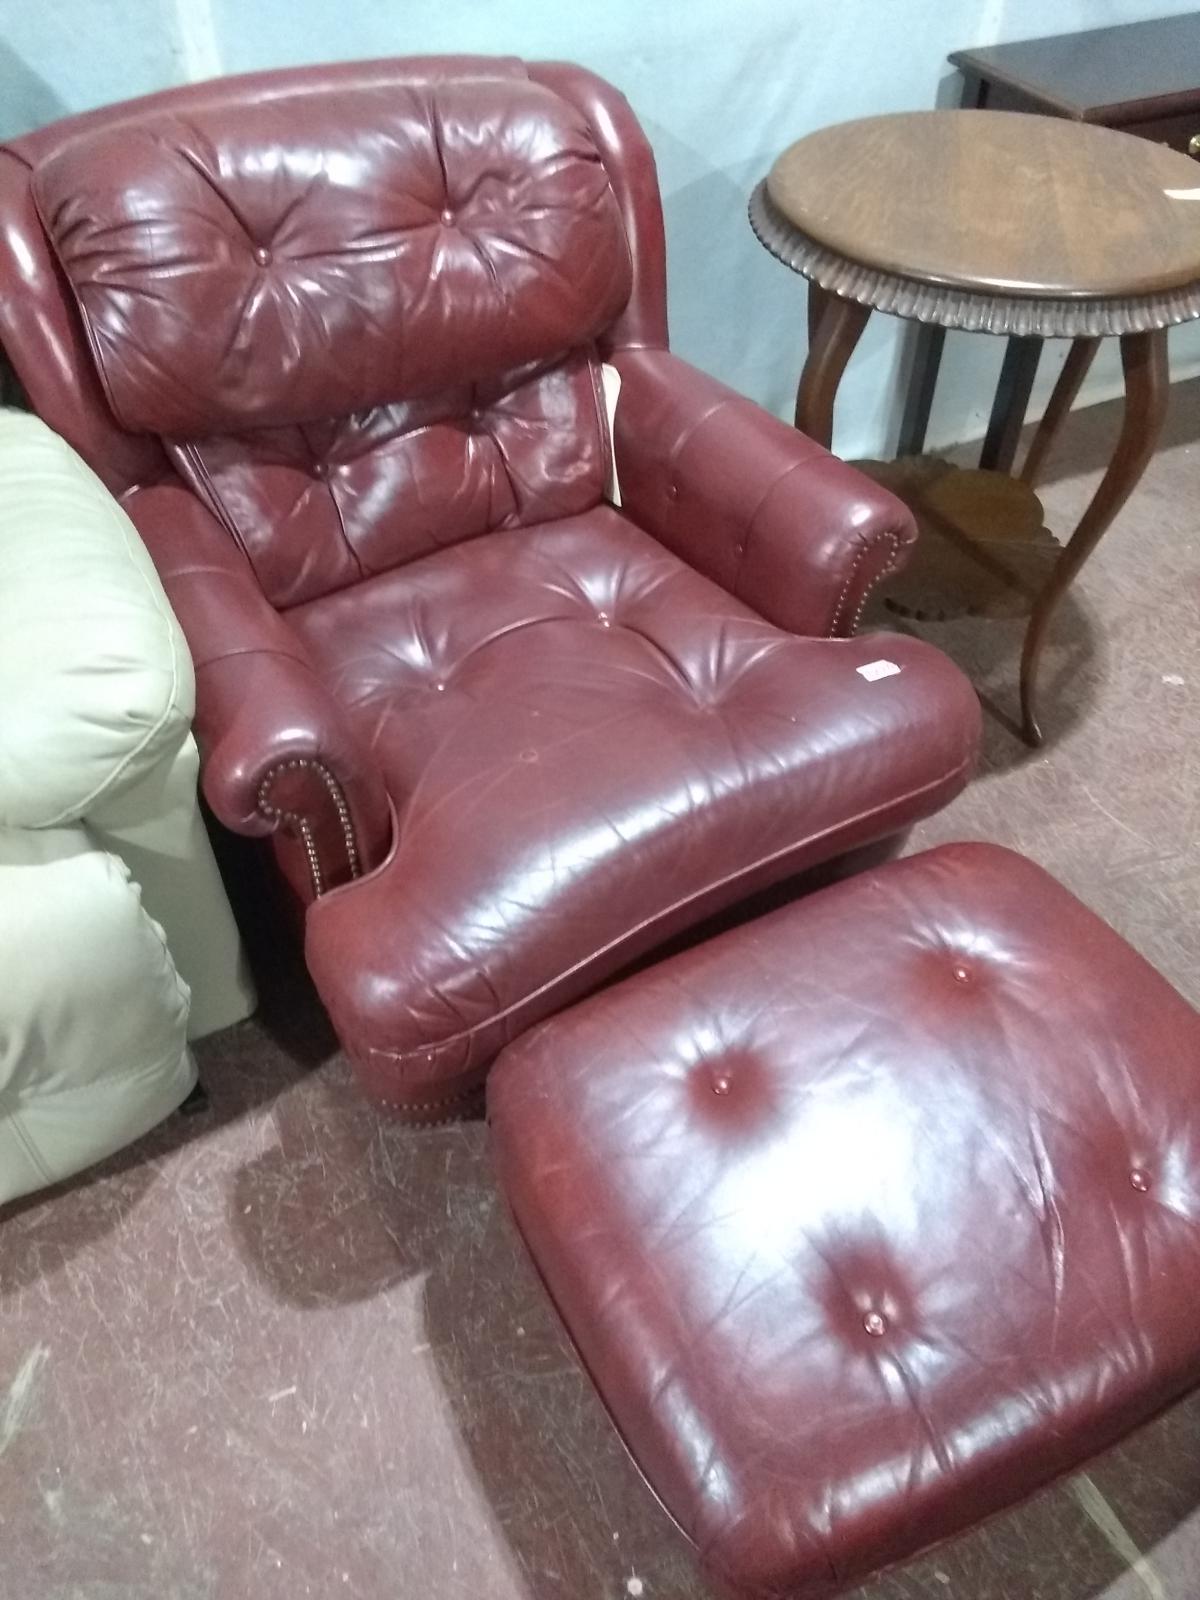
{"points": [[877, 669]]}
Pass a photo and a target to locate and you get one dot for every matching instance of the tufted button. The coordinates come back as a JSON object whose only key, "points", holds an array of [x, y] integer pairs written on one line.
{"points": [[1140, 1180], [447, 217], [263, 256], [875, 1324]]}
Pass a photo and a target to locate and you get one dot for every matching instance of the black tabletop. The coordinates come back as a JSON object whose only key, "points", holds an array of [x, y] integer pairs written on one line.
{"points": [[1138, 70]]}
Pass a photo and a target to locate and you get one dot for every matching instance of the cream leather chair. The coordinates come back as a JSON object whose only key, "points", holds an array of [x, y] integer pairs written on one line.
{"points": [[102, 846]]}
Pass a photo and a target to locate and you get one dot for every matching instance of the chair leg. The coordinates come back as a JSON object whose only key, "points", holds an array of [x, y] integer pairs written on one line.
{"points": [[196, 1102]]}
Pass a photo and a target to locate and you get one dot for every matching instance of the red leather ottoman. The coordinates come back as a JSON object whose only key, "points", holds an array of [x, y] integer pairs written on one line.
{"points": [[872, 1216]]}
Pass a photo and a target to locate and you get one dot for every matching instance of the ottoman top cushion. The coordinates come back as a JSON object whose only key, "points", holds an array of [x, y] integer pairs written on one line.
{"points": [[872, 1216]]}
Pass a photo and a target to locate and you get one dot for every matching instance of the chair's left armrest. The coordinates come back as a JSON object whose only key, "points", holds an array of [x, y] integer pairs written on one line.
{"points": [[741, 496], [279, 754]]}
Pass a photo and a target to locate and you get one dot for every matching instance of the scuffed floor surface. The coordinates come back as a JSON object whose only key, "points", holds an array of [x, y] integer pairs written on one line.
{"points": [[281, 1349]]}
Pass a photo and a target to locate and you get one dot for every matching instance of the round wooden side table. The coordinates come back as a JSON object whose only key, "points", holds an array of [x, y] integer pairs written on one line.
{"points": [[996, 222]]}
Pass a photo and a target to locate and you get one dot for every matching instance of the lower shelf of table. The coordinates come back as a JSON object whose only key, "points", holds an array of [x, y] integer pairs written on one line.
{"points": [[983, 550]]}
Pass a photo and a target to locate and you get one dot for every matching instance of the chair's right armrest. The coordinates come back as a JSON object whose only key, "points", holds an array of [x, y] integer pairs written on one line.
{"points": [[277, 749], [758, 507]]}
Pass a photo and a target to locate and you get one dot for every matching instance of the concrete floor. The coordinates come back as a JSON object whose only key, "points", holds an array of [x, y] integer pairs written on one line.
{"points": [[284, 1349]]}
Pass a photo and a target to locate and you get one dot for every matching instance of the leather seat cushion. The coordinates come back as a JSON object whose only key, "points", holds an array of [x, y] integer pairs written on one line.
{"points": [[589, 744], [872, 1216]]}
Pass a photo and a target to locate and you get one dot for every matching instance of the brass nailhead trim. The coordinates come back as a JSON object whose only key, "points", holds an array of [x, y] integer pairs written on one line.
{"points": [[892, 563], [892, 540], [302, 825], [310, 850], [443, 1110]]}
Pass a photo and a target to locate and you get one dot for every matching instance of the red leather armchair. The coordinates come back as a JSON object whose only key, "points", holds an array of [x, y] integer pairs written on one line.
{"points": [[335, 336]]}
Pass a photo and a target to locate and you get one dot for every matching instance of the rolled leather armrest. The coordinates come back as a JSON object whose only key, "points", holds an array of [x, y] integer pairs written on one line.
{"points": [[276, 746], [93, 1014], [761, 509]]}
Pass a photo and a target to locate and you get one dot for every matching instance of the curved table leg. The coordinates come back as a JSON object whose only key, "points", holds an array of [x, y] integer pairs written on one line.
{"points": [[818, 301], [1075, 369], [837, 331], [929, 342], [1017, 373], [1144, 358]]}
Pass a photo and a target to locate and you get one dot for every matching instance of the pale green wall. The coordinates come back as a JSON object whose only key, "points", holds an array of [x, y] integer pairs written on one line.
{"points": [[719, 85]]}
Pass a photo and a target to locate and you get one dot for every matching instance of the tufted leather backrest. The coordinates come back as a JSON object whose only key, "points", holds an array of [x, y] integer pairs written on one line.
{"points": [[358, 305], [40, 325], [319, 255]]}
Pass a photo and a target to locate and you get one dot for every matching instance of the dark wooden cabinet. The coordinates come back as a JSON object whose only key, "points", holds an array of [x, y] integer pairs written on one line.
{"points": [[1143, 77]]}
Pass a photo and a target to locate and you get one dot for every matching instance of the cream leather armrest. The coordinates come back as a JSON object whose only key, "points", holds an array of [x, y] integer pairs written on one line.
{"points": [[96, 699], [95, 679], [93, 1048]]}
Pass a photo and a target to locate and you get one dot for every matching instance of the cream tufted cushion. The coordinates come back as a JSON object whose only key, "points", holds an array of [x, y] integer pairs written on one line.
{"points": [[95, 679]]}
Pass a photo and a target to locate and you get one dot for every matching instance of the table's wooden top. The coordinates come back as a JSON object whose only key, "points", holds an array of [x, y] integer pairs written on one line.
{"points": [[1121, 74], [997, 201]]}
